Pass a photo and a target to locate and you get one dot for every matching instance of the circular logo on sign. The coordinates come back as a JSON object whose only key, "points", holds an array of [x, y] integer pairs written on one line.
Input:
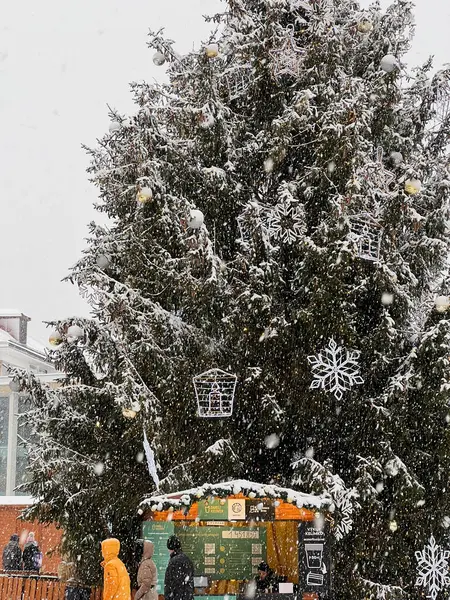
{"points": [[236, 507]]}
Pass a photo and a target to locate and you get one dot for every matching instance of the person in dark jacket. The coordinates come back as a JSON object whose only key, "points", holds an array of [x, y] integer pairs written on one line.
{"points": [[31, 554], [266, 580], [179, 579], [12, 555]]}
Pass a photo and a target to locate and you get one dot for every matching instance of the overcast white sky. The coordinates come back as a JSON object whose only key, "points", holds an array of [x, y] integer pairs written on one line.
{"points": [[61, 62]]}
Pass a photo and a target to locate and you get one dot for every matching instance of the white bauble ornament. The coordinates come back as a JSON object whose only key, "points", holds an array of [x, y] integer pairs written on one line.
{"points": [[212, 50], [128, 413], [206, 120], [114, 126], [14, 385], [388, 63], [393, 526], [103, 261], [387, 298], [413, 186], [99, 468], [55, 338], [442, 303], [144, 195], [159, 59], [397, 158], [196, 219], [74, 333], [364, 26], [272, 441], [251, 495], [135, 406]]}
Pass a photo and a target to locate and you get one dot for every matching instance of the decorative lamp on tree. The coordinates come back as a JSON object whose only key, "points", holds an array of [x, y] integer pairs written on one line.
{"points": [[366, 233], [214, 391]]}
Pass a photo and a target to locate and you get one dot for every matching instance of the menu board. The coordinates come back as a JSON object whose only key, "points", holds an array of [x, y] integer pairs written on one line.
{"points": [[158, 532], [224, 552], [314, 559]]}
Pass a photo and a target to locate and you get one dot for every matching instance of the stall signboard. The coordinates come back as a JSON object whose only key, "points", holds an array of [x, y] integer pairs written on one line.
{"points": [[213, 509], [259, 510], [314, 559], [236, 509], [158, 532], [224, 552]]}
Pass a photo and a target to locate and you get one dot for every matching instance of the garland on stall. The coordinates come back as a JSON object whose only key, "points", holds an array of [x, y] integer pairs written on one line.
{"points": [[184, 503]]}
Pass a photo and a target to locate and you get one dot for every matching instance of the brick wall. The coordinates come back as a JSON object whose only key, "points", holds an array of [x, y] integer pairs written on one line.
{"points": [[47, 536]]}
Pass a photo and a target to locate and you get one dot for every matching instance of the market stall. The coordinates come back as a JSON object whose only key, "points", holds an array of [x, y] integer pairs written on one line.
{"points": [[229, 529]]}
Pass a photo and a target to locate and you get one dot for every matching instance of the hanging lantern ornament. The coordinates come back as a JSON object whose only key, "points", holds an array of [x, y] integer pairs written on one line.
{"points": [[413, 186], [214, 391], [364, 26], [159, 59], [144, 195], [74, 333], [442, 303], [212, 50], [114, 126], [196, 219], [389, 63], [55, 338]]}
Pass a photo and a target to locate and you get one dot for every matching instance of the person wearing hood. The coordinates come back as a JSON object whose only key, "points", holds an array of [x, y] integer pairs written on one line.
{"points": [[147, 576], [32, 557], [179, 579], [116, 581], [12, 555]]}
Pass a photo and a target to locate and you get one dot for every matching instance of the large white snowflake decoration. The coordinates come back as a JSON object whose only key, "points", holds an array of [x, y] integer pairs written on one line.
{"points": [[237, 78], [378, 174], [287, 60], [214, 391], [335, 369], [433, 568], [286, 222], [366, 233]]}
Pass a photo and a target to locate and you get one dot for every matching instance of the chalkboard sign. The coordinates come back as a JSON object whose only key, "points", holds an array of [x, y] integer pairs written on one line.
{"points": [[224, 552], [314, 559], [158, 532]]}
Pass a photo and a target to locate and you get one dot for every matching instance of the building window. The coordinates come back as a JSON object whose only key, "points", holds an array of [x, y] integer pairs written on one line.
{"points": [[13, 453]]}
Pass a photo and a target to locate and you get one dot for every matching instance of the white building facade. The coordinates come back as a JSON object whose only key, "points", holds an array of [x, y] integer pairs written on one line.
{"points": [[17, 350]]}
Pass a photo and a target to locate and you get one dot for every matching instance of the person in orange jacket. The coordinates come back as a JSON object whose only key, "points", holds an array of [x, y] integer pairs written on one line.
{"points": [[116, 581]]}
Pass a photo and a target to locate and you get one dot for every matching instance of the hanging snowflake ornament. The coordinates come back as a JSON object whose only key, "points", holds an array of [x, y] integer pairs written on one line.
{"points": [[335, 369], [285, 222], [433, 568], [366, 233], [442, 104], [214, 391], [287, 60]]}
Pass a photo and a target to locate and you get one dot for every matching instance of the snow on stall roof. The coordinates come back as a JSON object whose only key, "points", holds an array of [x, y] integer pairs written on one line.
{"points": [[178, 499]]}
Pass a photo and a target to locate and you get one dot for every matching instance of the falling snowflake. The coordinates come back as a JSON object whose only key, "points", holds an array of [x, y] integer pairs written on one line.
{"points": [[286, 222], [287, 60], [433, 568], [335, 369]]}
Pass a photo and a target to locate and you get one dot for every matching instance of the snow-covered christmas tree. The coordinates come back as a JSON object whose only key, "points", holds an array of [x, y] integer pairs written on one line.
{"points": [[279, 212]]}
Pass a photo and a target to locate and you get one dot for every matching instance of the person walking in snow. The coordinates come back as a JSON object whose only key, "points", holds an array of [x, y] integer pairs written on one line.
{"points": [[32, 557], [12, 555], [179, 580], [147, 576]]}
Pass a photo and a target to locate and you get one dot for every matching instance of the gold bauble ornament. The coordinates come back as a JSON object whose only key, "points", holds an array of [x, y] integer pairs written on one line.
{"points": [[442, 303], [128, 413], [212, 50], [364, 26], [413, 186], [144, 195], [55, 338]]}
